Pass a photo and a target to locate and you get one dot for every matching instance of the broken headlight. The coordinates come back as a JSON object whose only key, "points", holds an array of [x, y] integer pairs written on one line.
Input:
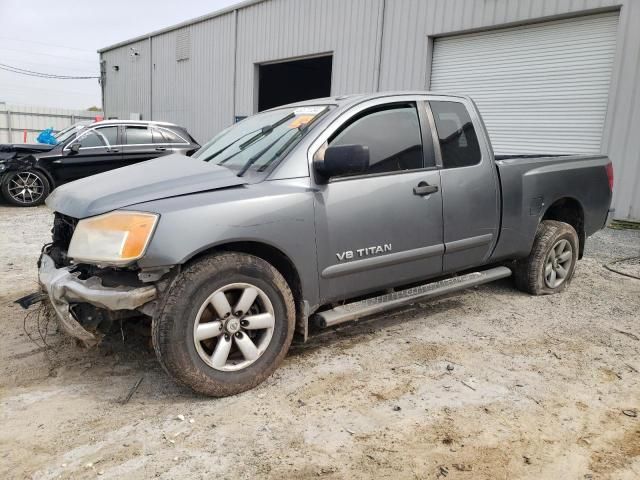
{"points": [[115, 238]]}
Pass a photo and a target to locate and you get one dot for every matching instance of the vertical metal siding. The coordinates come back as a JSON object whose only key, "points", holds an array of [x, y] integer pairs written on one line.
{"points": [[196, 93], [409, 24], [283, 29], [621, 140], [280, 29], [408, 38], [541, 88], [126, 91]]}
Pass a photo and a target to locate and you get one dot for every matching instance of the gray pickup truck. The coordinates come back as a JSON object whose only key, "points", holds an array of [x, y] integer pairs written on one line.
{"points": [[306, 216]]}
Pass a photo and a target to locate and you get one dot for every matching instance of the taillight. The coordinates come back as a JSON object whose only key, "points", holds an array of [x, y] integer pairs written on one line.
{"points": [[609, 168]]}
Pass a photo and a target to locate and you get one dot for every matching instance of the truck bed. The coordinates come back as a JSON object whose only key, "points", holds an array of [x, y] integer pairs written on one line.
{"points": [[531, 184]]}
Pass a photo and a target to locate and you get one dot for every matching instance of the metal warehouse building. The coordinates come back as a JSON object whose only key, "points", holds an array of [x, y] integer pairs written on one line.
{"points": [[549, 76]]}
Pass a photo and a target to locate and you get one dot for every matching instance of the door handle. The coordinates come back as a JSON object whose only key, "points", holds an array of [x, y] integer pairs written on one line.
{"points": [[424, 188], [114, 150], [161, 149]]}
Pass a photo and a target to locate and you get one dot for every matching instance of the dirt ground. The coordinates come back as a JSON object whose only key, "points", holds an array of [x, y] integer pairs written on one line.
{"points": [[489, 384]]}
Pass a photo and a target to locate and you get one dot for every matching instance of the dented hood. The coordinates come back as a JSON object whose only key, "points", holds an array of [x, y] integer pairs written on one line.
{"points": [[163, 177], [26, 147]]}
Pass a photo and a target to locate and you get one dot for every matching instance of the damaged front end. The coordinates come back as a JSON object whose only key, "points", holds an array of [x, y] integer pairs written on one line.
{"points": [[20, 157], [68, 294], [87, 299]]}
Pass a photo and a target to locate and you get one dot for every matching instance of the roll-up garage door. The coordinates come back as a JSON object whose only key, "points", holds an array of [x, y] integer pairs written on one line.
{"points": [[540, 88]]}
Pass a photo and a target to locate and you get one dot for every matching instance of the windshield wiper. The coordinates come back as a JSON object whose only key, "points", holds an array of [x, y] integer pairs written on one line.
{"points": [[257, 134], [284, 148], [301, 130], [257, 156], [218, 152], [266, 130]]}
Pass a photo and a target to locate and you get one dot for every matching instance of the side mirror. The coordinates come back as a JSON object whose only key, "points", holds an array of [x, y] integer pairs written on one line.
{"points": [[343, 160], [74, 147]]}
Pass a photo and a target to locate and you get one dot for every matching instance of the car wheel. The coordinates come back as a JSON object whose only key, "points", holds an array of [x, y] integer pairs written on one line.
{"points": [[26, 188], [550, 266], [225, 325]]}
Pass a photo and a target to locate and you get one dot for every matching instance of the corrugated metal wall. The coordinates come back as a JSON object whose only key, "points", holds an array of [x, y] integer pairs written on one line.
{"points": [[282, 29], [128, 89], [196, 92], [15, 119], [376, 44]]}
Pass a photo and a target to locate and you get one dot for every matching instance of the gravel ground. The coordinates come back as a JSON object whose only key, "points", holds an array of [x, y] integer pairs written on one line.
{"points": [[491, 383]]}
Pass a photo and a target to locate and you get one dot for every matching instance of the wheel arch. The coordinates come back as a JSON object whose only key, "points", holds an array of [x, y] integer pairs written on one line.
{"points": [[568, 210], [46, 173], [279, 260]]}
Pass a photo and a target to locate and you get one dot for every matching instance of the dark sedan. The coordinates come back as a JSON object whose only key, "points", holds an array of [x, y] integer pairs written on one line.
{"points": [[28, 173]]}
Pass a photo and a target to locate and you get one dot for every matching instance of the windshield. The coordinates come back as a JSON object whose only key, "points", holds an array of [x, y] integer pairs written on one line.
{"points": [[64, 135], [260, 140]]}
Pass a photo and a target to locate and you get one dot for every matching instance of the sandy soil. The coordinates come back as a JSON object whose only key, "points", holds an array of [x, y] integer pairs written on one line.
{"points": [[491, 383]]}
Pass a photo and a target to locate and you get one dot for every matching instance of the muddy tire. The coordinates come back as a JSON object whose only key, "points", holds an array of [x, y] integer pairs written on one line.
{"points": [[27, 188], [550, 266], [225, 324]]}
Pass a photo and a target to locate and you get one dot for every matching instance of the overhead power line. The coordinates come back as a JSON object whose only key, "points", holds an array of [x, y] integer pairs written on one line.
{"points": [[32, 73]]}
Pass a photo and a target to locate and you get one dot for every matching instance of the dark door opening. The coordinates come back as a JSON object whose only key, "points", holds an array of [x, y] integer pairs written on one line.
{"points": [[287, 82]]}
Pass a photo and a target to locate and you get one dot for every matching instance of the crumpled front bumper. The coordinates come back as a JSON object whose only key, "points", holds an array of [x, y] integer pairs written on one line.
{"points": [[64, 288]]}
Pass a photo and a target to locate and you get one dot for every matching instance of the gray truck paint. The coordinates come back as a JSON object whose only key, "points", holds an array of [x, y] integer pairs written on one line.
{"points": [[481, 214]]}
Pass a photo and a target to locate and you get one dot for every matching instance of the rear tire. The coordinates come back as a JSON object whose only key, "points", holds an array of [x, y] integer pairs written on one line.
{"points": [[550, 266], [205, 341], [26, 188]]}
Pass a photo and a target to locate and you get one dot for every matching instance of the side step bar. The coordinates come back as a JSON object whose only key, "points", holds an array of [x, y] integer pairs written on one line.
{"points": [[370, 306]]}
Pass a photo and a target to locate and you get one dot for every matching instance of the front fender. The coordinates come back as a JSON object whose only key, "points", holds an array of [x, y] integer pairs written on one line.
{"points": [[276, 213]]}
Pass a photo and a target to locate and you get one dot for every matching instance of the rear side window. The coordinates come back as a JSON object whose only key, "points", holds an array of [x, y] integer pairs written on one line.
{"points": [[458, 140], [157, 136], [392, 135], [170, 136], [139, 136]]}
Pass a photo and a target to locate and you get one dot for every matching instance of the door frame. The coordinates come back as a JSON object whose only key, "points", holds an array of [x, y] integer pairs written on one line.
{"points": [[392, 258], [426, 121]]}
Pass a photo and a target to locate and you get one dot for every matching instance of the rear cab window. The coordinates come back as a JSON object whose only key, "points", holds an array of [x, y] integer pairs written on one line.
{"points": [[458, 140]]}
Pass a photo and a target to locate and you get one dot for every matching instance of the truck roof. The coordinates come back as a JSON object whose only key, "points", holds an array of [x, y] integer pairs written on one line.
{"points": [[344, 100]]}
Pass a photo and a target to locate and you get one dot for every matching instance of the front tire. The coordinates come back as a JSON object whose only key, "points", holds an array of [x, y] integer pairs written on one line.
{"points": [[26, 188], [226, 324], [550, 266]]}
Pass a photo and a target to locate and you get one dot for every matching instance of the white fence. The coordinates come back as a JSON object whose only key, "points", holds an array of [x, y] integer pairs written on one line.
{"points": [[18, 121]]}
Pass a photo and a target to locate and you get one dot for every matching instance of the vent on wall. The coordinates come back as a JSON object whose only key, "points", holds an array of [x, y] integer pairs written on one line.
{"points": [[183, 45]]}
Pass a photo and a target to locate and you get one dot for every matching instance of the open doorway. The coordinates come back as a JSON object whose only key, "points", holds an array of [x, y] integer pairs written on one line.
{"points": [[293, 81]]}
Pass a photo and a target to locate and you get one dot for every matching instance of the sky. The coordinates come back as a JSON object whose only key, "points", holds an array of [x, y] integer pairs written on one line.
{"points": [[61, 37]]}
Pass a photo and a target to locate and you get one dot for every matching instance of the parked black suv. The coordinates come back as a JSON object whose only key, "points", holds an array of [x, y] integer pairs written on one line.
{"points": [[28, 173]]}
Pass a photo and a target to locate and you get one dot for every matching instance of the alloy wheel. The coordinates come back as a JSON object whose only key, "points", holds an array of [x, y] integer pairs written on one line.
{"points": [[234, 327], [558, 263], [26, 187]]}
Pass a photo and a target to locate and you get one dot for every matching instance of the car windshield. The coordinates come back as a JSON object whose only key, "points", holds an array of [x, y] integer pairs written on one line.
{"points": [[64, 135], [260, 140]]}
